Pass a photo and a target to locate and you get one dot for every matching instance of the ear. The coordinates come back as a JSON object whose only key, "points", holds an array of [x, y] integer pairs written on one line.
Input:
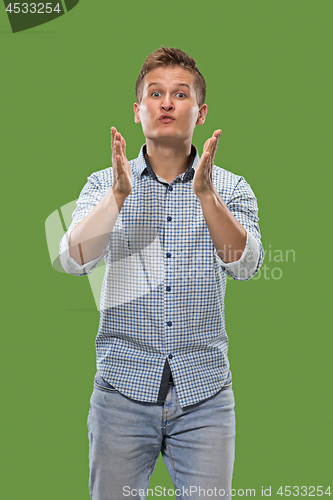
{"points": [[136, 113], [202, 114]]}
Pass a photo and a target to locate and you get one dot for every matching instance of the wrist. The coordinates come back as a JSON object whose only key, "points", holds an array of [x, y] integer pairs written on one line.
{"points": [[118, 197], [208, 196]]}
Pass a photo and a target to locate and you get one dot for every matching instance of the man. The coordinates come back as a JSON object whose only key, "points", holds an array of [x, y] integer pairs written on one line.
{"points": [[169, 225]]}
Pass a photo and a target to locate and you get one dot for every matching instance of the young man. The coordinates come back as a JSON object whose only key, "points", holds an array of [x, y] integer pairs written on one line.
{"points": [[169, 225]]}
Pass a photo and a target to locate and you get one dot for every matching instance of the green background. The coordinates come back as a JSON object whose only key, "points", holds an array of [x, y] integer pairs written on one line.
{"points": [[63, 85]]}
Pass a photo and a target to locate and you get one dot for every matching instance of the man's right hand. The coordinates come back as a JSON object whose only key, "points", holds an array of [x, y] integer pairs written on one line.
{"points": [[122, 173], [89, 237]]}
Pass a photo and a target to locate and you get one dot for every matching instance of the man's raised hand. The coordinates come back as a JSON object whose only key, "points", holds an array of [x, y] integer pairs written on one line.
{"points": [[202, 181], [122, 173]]}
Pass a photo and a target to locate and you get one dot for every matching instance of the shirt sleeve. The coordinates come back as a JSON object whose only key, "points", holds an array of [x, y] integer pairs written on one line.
{"points": [[242, 203], [70, 265], [90, 196]]}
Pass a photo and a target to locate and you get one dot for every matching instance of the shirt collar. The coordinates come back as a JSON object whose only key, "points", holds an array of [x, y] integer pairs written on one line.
{"points": [[143, 167]]}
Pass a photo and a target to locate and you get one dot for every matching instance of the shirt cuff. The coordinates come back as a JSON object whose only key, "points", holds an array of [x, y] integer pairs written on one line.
{"points": [[69, 264], [245, 267]]}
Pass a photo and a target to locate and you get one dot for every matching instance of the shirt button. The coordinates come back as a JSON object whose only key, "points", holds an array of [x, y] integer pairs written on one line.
{"points": [[168, 255], [168, 288], [170, 356], [170, 188], [169, 323], [169, 218]]}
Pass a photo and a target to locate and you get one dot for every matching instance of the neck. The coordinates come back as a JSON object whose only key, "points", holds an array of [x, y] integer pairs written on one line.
{"points": [[169, 160]]}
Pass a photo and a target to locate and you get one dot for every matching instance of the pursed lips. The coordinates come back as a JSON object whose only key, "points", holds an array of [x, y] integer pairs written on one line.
{"points": [[166, 118]]}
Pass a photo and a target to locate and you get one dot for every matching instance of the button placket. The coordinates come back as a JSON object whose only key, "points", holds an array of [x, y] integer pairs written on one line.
{"points": [[169, 230]]}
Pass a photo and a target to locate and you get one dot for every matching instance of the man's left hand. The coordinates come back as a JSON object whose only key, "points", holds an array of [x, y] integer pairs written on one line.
{"points": [[202, 181]]}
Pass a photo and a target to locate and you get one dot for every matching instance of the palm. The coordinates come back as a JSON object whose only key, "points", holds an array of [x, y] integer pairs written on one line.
{"points": [[122, 173], [202, 181]]}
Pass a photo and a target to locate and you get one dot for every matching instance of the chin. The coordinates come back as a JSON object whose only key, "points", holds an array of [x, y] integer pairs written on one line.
{"points": [[164, 134]]}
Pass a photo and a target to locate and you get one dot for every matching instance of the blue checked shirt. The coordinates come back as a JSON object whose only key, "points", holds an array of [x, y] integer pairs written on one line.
{"points": [[163, 290]]}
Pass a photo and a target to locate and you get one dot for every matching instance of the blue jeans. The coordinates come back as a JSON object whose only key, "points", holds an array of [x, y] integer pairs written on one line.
{"points": [[125, 438]]}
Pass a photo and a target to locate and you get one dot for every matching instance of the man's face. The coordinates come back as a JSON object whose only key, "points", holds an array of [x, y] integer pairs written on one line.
{"points": [[169, 109]]}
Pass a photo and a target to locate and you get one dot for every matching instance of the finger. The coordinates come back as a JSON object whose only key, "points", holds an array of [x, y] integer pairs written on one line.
{"points": [[211, 144], [214, 148], [123, 146], [208, 144], [117, 137], [204, 160], [113, 135], [216, 135], [118, 148], [113, 148], [209, 154]]}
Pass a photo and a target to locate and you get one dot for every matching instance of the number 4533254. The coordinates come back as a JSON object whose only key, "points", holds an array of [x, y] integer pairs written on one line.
{"points": [[303, 491], [32, 8]]}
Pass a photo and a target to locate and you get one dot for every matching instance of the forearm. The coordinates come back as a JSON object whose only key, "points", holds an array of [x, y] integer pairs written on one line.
{"points": [[88, 239], [228, 235]]}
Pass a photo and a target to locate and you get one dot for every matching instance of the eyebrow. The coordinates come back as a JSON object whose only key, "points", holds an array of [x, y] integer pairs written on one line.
{"points": [[178, 84]]}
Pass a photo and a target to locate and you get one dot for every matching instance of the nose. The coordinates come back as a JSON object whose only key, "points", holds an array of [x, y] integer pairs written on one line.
{"points": [[167, 104]]}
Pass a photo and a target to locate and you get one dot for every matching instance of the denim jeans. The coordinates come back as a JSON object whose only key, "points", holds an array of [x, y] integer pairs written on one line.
{"points": [[125, 438]]}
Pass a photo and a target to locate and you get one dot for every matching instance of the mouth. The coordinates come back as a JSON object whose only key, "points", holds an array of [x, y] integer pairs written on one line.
{"points": [[166, 119]]}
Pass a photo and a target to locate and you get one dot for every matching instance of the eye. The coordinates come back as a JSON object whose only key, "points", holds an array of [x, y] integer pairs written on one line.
{"points": [[181, 95], [156, 94]]}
